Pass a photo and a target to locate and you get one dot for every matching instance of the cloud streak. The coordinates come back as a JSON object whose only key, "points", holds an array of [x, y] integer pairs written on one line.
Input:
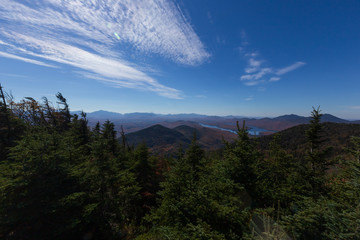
{"points": [[95, 36], [274, 79], [255, 71], [250, 98], [256, 76], [290, 68], [355, 107], [8, 55]]}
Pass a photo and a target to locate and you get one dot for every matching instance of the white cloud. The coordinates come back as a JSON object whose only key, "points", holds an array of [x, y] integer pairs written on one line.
{"points": [[249, 98], [28, 60], [254, 69], [274, 79], [253, 83], [256, 76], [3, 43], [200, 96], [209, 16], [117, 72], [253, 65], [290, 68], [149, 26], [355, 107], [261, 89], [253, 54], [89, 34], [244, 39], [240, 49], [13, 75]]}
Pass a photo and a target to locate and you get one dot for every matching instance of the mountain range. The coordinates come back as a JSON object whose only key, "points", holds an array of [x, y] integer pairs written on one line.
{"points": [[164, 133], [132, 122], [163, 140]]}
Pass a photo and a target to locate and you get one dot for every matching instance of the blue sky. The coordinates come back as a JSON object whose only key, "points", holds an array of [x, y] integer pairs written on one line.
{"points": [[247, 58]]}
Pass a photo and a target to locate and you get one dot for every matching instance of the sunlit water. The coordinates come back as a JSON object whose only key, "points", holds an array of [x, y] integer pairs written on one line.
{"points": [[255, 131]]}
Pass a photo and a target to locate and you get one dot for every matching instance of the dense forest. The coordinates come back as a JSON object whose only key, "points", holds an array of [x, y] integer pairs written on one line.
{"points": [[60, 179]]}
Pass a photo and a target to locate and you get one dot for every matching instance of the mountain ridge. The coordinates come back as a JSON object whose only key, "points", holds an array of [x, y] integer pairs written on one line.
{"points": [[161, 139], [109, 114], [132, 122]]}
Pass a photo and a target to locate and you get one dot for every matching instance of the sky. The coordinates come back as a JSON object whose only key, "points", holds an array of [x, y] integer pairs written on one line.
{"points": [[255, 58]]}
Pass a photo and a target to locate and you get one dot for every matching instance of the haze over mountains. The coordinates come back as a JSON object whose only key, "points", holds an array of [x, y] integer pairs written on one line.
{"points": [[166, 132], [132, 122]]}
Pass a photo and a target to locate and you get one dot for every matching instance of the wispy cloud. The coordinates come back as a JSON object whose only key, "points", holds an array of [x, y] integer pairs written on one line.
{"points": [[13, 75], [3, 43], [209, 16], [253, 65], [274, 79], [257, 70], [95, 36], [290, 68], [254, 70], [251, 83], [255, 78], [355, 107], [28, 60], [250, 98], [244, 39], [119, 73], [261, 89], [200, 96], [258, 75]]}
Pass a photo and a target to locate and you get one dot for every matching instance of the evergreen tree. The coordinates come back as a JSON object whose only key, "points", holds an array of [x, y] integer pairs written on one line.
{"points": [[64, 112], [279, 177], [59, 179], [143, 168], [354, 149], [112, 191], [317, 162], [109, 137], [198, 201], [343, 216], [38, 191], [11, 129], [5, 128], [242, 159]]}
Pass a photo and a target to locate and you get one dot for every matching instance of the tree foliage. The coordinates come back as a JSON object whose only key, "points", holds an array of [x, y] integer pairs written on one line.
{"points": [[60, 179]]}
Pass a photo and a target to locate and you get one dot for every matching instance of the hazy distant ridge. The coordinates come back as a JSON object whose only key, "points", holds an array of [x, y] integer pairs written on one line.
{"points": [[102, 114], [136, 121]]}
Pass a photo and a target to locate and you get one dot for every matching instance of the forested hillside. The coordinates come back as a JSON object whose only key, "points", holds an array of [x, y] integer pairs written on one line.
{"points": [[336, 136], [61, 179], [166, 141]]}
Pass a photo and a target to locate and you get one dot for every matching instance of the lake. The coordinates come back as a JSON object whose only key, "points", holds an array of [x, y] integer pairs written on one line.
{"points": [[255, 131]]}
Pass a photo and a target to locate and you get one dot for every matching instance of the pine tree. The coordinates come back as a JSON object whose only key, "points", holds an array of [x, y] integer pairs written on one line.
{"points": [[279, 181], [11, 128], [343, 215], [198, 200], [109, 136], [64, 111], [242, 159], [112, 191], [4, 126], [316, 155], [38, 191]]}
